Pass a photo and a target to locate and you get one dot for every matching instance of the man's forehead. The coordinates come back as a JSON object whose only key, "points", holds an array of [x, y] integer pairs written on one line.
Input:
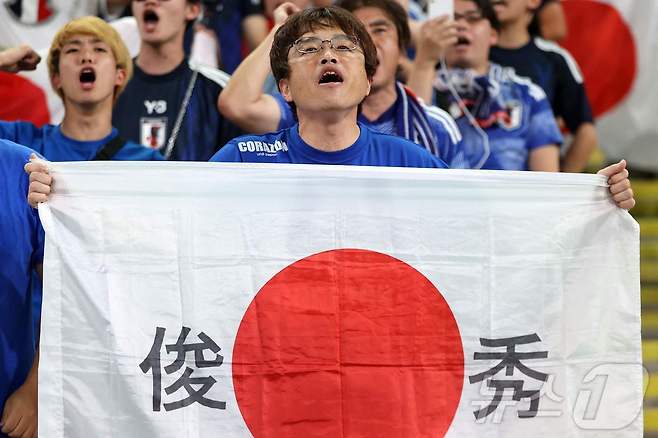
{"points": [[78, 39], [372, 16], [324, 32], [466, 6]]}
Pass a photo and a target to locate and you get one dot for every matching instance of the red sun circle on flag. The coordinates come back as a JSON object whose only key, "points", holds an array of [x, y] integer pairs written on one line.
{"points": [[603, 45], [347, 343]]}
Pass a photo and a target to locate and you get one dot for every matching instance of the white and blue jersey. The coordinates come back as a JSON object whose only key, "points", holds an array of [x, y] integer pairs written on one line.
{"points": [[513, 112], [427, 126], [50, 142], [286, 146], [21, 248]]}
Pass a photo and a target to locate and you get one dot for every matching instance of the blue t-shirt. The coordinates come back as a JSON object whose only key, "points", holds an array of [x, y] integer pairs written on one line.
{"points": [[50, 142], [21, 248], [512, 111], [286, 146], [425, 125]]}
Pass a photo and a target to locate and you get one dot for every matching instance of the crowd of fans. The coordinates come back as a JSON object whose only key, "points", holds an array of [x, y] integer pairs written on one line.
{"points": [[360, 82]]}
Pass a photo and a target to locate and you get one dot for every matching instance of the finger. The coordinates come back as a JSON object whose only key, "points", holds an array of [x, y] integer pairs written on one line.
{"points": [[19, 429], [620, 187], [39, 187], [42, 178], [613, 169], [623, 196], [34, 199], [626, 205], [617, 177], [9, 422]]}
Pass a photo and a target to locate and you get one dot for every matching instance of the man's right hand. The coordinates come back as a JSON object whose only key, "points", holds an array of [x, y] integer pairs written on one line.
{"points": [[283, 11], [21, 58], [40, 181]]}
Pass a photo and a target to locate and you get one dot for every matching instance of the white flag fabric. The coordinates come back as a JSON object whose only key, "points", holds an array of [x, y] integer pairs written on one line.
{"points": [[225, 300]]}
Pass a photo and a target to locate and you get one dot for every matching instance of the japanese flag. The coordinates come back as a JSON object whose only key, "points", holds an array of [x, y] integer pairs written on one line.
{"points": [[614, 42], [197, 300]]}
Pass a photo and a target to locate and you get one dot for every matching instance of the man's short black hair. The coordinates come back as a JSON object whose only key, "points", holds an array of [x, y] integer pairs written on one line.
{"points": [[392, 9], [488, 12]]}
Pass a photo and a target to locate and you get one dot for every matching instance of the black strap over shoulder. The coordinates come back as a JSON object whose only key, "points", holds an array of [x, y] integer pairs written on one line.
{"points": [[110, 149]]}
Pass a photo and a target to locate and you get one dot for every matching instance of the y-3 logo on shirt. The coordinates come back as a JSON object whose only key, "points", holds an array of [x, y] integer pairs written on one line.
{"points": [[156, 106]]}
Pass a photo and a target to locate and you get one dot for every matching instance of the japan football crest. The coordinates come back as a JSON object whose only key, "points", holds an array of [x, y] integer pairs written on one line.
{"points": [[513, 110], [153, 131]]}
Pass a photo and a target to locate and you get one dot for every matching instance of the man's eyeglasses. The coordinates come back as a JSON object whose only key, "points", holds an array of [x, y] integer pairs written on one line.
{"points": [[338, 43], [471, 17]]}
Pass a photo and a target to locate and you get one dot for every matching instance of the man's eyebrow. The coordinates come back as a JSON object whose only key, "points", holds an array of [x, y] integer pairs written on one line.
{"points": [[78, 42], [380, 22]]}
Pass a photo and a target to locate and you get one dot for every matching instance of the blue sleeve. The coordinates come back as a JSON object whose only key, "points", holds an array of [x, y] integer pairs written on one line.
{"points": [[543, 129], [38, 241], [228, 154], [22, 133], [449, 139], [287, 117], [571, 101]]}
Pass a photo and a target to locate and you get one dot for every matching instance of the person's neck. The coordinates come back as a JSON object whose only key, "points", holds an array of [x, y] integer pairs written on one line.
{"points": [[160, 59], [87, 122], [513, 35], [332, 134], [378, 101]]}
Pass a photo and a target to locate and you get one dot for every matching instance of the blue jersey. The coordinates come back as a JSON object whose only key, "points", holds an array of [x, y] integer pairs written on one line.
{"points": [[428, 126], [556, 72], [511, 112], [148, 108], [286, 146], [21, 248], [50, 142]]}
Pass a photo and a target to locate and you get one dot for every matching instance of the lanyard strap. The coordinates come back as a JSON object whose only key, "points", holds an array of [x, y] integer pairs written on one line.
{"points": [[181, 115]]}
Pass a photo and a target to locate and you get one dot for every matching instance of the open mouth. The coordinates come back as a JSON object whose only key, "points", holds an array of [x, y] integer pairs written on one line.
{"points": [[87, 76], [330, 77], [499, 3], [462, 42], [150, 17]]}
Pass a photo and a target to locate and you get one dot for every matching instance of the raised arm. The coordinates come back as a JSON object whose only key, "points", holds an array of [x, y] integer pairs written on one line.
{"points": [[436, 35], [21, 58], [242, 101]]}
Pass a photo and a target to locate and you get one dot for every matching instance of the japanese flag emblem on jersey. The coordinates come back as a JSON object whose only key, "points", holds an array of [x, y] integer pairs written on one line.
{"points": [[152, 131]]}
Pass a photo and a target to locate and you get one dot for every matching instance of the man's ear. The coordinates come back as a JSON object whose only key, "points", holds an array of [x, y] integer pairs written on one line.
{"points": [[493, 39], [284, 89], [369, 87], [192, 10], [56, 82], [120, 77]]}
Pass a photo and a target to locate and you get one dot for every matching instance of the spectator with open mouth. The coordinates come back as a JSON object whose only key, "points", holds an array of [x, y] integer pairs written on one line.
{"points": [[169, 106]]}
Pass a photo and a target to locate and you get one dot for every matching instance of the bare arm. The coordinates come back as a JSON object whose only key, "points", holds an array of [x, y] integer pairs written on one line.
{"points": [[254, 29], [552, 23], [585, 140], [19, 58], [242, 101], [436, 35], [545, 159]]}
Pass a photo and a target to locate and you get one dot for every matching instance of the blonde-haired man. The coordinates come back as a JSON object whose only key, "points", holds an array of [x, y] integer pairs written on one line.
{"points": [[89, 66]]}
